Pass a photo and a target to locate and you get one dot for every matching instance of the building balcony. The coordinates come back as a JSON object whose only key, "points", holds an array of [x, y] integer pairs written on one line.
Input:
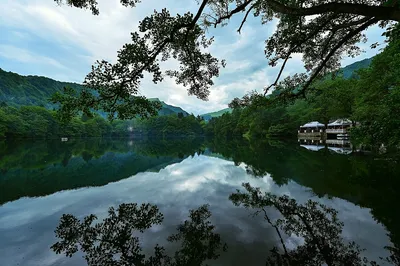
{"points": [[336, 131], [309, 134]]}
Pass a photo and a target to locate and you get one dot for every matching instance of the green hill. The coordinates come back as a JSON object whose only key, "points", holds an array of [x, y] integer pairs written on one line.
{"points": [[349, 71], [19, 90], [208, 116]]}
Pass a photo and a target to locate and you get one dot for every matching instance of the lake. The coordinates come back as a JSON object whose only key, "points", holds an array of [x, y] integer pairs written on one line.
{"points": [[41, 180]]}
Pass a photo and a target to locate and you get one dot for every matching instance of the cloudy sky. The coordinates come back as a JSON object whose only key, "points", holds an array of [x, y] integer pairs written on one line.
{"points": [[37, 37]]}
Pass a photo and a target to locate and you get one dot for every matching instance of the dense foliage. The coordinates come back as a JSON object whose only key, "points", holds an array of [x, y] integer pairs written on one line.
{"points": [[39, 122], [321, 30], [370, 98]]}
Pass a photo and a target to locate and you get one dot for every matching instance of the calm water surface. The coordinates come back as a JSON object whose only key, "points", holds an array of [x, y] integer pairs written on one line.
{"points": [[41, 180]]}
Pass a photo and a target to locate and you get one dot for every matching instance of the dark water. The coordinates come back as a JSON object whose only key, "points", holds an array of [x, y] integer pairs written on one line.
{"points": [[40, 181]]}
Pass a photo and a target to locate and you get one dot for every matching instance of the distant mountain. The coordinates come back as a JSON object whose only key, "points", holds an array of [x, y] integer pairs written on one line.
{"points": [[29, 90], [167, 109], [16, 90], [349, 71], [208, 116]]}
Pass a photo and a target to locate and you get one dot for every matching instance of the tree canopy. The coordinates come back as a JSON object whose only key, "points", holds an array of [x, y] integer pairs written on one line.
{"points": [[321, 30]]}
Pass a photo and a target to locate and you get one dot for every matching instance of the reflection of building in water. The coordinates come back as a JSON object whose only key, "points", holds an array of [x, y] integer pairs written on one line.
{"points": [[313, 147], [342, 146], [312, 144], [335, 145]]}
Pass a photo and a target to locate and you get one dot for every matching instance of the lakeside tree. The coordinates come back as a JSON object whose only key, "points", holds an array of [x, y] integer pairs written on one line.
{"points": [[322, 31]]}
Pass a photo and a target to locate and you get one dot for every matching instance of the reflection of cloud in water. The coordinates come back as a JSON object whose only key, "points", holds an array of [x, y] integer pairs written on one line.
{"points": [[27, 225]]}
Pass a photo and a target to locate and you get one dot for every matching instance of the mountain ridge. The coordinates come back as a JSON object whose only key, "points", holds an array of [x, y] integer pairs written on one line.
{"points": [[18, 90], [209, 116]]}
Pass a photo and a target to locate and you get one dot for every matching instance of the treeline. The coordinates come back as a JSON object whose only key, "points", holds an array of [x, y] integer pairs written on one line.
{"points": [[371, 97], [171, 125], [39, 122]]}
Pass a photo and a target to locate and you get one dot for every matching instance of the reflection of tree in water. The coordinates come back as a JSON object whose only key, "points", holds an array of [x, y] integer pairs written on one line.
{"points": [[369, 181], [33, 168], [317, 224], [113, 241]]}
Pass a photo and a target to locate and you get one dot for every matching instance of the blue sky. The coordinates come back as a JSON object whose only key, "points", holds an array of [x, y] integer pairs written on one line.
{"points": [[37, 37]]}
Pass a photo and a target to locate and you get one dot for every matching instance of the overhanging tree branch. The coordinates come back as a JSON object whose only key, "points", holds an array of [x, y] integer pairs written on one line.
{"points": [[238, 9], [245, 18], [293, 49], [378, 12], [337, 47]]}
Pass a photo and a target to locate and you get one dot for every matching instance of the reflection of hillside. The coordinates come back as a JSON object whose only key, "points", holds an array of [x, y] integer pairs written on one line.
{"points": [[364, 180], [41, 168]]}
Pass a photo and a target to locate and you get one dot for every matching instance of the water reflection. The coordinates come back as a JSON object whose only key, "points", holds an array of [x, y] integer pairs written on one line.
{"points": [[348, 184], [42, 168], [340, 146]]}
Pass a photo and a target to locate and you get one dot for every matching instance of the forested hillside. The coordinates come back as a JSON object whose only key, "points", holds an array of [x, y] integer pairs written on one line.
{"points": [[25, 112], [17, 90], [349, 71]]}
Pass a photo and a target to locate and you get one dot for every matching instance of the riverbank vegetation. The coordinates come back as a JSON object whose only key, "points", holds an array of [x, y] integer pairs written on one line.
{"points": [[39, 122], [371, 97]]}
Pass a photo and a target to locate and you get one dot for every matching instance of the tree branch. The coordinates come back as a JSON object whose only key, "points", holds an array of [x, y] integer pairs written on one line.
{"points": [[245, 18], [199, 12], [170, 38], [238, 9], [294, 47], [379, 12], [279, 75], [337, 46], [350, 24]]}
